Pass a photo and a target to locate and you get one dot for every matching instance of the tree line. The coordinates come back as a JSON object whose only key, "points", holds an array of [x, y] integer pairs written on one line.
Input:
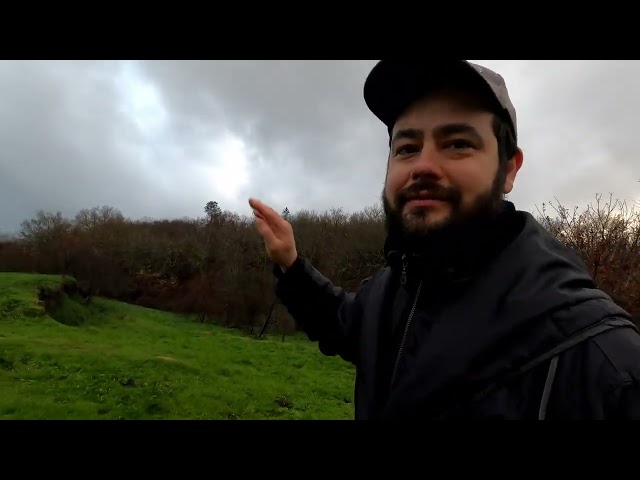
{"points": [[215, 267]]}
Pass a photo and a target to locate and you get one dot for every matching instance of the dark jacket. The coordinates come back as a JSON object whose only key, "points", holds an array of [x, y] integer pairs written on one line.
{"points": [[514, 330]]}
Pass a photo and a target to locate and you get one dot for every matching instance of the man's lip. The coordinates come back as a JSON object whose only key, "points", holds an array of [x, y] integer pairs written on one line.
{"points": [[425, 202]]}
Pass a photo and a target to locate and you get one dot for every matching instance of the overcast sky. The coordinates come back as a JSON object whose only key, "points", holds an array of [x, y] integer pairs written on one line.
{"points": [[161, 138]]}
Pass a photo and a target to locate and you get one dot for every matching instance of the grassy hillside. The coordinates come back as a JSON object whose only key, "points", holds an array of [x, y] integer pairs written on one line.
{"points": [[110, 360]]}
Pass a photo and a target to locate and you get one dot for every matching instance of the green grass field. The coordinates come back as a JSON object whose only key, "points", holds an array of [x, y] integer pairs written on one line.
{"points": [[110, 360]]}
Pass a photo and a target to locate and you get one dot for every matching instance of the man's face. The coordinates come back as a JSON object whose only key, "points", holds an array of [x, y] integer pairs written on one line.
{"points": [[443, 166]]}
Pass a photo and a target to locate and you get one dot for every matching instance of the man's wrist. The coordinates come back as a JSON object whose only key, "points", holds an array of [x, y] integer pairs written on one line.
{"points": [[286, 266]]}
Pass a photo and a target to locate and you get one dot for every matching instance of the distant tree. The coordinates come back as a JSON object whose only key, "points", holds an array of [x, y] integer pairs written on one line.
{"points": [[89, 219], [212, 210], [44, 227], [285, 213]]}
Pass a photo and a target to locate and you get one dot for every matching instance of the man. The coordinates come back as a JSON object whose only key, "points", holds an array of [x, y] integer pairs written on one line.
{"points": [[479, 313]]}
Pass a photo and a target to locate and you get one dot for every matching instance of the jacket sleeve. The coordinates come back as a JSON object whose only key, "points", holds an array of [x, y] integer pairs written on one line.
{"points": [[625, 402], [325, 312]]}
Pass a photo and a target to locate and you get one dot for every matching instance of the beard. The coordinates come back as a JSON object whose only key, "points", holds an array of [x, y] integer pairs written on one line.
{"points": [[416, 232]]}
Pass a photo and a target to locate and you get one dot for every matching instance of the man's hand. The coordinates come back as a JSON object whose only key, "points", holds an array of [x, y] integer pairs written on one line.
{"points": [[276, 232]]}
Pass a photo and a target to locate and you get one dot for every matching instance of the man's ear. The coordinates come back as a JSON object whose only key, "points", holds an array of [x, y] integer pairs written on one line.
{"points": [[513, 166]]}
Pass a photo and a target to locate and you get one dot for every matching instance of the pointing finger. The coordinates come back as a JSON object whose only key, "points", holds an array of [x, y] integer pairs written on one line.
{"points": [[267, 212]]}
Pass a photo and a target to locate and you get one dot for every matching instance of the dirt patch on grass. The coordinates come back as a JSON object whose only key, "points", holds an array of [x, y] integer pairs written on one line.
{"points": [[170, 359], [65, 303], [51, 298]]}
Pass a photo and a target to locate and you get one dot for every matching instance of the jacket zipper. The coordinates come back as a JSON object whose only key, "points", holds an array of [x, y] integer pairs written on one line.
{"points": [[403, 280]]}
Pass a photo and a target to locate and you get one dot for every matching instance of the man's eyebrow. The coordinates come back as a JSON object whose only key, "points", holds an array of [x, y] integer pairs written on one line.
{"points": [[441, 131], [451, 129], [408, 133]]}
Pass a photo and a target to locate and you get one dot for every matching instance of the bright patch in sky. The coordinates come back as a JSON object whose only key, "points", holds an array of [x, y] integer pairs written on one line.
{"points": [[226, 167], [228, 171], [142, 101]]}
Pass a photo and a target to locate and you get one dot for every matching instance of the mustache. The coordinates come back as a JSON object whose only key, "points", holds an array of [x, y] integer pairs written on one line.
{"points": [[427, 188]]}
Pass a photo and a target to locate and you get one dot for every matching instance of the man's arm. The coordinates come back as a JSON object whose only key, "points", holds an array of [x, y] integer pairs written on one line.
{"points": [[326, 313], [621, 348], [625, 402]]}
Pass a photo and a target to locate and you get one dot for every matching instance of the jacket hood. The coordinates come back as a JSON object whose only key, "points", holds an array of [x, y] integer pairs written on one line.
{"points": [[534, 294]]}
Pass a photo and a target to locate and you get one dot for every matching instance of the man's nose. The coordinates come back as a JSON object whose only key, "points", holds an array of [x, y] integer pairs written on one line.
{"points": [[427, 163]]}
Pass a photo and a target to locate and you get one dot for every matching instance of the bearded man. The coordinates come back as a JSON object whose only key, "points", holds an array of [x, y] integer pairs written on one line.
{"points": [[479, 312]]}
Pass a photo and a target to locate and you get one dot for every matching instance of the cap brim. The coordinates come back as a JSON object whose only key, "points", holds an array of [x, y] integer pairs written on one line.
{"points": [[392, 86]]}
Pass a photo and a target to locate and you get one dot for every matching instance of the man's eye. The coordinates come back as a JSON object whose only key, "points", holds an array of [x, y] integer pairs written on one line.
{"points": [[459, 144], [407, 149]]}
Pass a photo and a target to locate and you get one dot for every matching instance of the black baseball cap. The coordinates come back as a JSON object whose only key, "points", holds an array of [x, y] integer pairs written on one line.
{"points": [[392, 86]]}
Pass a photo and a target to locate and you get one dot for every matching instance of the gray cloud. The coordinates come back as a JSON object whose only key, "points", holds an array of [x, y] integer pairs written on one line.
{"points": [[156, 138], [577, 128], [312, 142], [67, 143]]}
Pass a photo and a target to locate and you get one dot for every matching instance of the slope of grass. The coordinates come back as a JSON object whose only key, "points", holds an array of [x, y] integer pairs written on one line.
{"points": [[109, 360]]}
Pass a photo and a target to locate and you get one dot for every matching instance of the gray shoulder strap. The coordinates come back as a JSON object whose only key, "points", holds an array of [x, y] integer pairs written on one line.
{"points": [[551, 375], [574, 340], [570, 342], [553, 355]]}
